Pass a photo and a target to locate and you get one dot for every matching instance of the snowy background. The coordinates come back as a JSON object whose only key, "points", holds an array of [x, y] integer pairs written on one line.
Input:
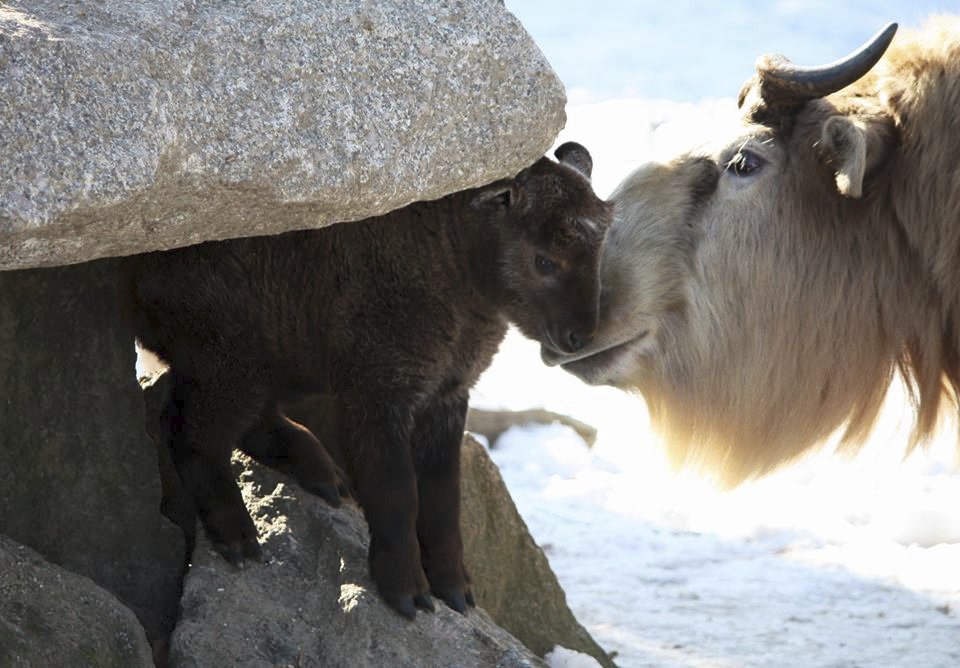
{"points": [[832, 562]]}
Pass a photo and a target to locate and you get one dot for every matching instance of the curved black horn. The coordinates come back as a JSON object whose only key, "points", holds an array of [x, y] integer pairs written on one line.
{"points": [[779, 76]]}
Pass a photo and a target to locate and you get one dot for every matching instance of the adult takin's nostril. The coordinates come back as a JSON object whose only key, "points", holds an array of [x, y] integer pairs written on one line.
{"points": [[577, 342]]}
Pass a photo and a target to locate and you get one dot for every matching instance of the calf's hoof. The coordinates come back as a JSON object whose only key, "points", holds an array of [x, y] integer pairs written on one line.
{"points": [[326, 480], [240, 552], [400, 580], [233, 534], [407, 605], [456, 599], [450, 583], [332, 493]]}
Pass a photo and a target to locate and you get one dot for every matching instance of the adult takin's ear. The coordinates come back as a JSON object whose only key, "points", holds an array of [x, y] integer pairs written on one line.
{"points": [[575, 155], [844, 142], [853, 147], [498, 196]]}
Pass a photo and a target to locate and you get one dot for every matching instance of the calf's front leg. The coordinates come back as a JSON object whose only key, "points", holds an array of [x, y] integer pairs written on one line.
{"points": [[436, 454], [376, 432]]}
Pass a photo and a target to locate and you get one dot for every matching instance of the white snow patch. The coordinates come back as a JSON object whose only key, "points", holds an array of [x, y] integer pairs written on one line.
{"points": [[561, 657]]}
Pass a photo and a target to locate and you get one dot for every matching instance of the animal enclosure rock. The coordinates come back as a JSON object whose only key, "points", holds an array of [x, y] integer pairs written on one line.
{"points": [[78, 474], [52, 617], [512, 578], [313, 602], [134, 126]]}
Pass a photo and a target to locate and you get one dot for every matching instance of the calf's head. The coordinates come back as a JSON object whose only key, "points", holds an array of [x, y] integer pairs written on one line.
{"points": [[550, 228]]}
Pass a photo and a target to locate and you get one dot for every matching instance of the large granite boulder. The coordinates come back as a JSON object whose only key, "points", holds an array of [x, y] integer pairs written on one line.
{"points": [[50, 616], [313, 603], [130, 126], [78, 473]]}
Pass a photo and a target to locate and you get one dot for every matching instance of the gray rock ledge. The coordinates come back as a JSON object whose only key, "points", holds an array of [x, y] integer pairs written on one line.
{"points": [[52, 617], [312, 603]]}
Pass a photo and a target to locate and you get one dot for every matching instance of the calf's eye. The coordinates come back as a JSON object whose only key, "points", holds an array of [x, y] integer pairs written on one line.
{"points": [[545, 265], [744, 163]]}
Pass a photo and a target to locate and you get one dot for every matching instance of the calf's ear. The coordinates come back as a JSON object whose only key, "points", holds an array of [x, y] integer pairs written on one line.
{"points": [[853, 148], [575, 155], [498, 196]]}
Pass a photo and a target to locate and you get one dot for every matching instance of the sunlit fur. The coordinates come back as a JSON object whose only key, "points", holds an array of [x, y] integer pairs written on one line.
{"points": [[779, 306]]}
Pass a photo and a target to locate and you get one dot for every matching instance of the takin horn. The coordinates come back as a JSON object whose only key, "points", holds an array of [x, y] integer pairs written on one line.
{"points": [[784, 86]]}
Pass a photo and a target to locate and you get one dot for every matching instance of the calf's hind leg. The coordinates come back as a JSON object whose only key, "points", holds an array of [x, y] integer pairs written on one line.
{"points": [[280, 443], [436, 456], [204, 421]]}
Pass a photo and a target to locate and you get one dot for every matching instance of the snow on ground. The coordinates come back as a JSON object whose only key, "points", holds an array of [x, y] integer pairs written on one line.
{"points": [[833, 561]]}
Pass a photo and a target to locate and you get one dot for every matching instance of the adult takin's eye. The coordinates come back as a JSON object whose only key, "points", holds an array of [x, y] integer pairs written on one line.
{"points": [[545, 265], [744, 163]]}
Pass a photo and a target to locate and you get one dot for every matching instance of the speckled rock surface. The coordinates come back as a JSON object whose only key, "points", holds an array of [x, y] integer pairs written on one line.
{"points": [[52, 617], [130, 126]]}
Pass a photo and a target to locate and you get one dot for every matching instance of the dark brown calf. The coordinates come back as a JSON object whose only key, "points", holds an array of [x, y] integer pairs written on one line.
{"points": [[397, 315]]}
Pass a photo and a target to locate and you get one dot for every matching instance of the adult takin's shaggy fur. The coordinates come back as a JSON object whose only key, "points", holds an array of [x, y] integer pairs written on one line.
{"points": [[763, 295], [397, 316]]}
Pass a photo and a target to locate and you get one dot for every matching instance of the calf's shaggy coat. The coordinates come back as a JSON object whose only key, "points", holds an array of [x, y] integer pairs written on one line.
{"points": [[397, 316]]}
